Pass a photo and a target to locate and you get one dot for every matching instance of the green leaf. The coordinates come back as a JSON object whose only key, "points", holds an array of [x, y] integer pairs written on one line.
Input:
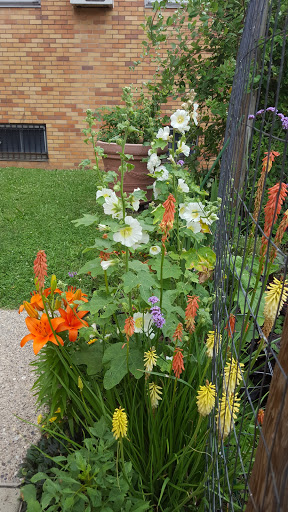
{"points": [[39, 476], [99, 300], [130, 281], [92, 266], [91, 356], [86, 220], [99, 428], [116, 358], [103, 244], [158, 213], [29, 494], [170, 270]]}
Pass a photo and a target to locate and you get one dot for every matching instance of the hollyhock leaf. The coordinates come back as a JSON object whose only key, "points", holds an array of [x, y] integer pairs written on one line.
{"points": [[109, 310], [99, 300], [91, 356], [169, 269], [102, 244], [116, 358], [92, 266], [86, 220], [130, 281]]}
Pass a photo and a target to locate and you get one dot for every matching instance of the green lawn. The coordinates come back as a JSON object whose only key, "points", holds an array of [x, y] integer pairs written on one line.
{"points": [[36, 211]]}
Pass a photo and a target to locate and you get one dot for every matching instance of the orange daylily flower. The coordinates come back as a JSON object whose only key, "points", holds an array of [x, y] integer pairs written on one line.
{"points": [[71, 322], [41, 332], [36, 300], [72, 294]]}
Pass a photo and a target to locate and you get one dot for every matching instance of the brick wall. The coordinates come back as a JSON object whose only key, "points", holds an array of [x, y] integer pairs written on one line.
{"points": [[59, 60]]}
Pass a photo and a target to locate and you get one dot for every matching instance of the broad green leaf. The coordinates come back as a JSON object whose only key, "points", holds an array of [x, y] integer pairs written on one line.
{"points": [[130, 281], [99, 300], [86, 220], [38, 476], [103, 244], [116, 358], [170, 270], [29, 493], [91, 356], [99, 428], [158, 213], [92, 266]]}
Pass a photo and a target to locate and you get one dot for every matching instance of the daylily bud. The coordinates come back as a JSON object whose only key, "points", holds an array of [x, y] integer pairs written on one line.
{"points": [[58, 303], [30, 310], [53, 283], [80, 384]]}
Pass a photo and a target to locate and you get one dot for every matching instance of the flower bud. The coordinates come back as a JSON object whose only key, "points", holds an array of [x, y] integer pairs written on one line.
{"points": [[58, 303], [80, 383], [53, 283], [30, 310]]}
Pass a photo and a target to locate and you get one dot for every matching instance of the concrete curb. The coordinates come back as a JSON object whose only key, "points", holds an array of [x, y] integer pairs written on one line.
{"points": [[10, 497]]}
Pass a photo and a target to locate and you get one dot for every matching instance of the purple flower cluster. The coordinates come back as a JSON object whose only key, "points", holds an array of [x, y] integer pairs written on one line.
{"points": [[283, 119], [72, 274], [180, 162], [158, 319], [153, 299]]}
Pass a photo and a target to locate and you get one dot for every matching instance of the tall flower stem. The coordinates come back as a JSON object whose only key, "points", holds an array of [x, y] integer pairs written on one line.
{"points": [[108, 292], [161, 273]]}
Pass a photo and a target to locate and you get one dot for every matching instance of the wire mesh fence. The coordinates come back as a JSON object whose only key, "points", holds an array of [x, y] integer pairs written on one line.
{"points": [[247, 460]]}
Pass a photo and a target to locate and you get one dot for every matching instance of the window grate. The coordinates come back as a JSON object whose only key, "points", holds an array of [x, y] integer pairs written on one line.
{"points": [[23, 142]]}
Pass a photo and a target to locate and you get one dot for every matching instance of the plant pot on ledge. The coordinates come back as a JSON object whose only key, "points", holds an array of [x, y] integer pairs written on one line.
{"points": [[138, 177]]}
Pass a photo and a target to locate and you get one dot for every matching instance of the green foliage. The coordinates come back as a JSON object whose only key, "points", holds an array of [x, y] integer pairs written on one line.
{"points": [[199, 53], [88, 480], [140, 115]]}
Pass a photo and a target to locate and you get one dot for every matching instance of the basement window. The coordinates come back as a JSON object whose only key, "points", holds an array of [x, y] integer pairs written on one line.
{"points": [[20, 3], [23, 142]]}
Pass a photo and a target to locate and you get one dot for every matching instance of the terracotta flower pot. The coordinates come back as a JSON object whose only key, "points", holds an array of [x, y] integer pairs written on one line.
{"points": [[138, 177]]}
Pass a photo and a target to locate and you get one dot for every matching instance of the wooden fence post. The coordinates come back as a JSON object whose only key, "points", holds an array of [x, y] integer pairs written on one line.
{"points": [[269, 479]]}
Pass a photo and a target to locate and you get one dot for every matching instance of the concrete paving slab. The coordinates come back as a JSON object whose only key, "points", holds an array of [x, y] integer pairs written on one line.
{"points": [[9, 499]]}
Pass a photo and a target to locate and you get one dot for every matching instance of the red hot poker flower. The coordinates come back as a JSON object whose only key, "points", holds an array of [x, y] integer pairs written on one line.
{"points": [[40, 268], [260, 416], [191, 312], [230, 326], [177, 336], [276, 197], [168, 217], [268, 160], [71, 322], [177, 363], [129, 327]]}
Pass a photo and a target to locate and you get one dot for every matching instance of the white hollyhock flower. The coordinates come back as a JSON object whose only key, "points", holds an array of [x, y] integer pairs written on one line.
{"points": [[163, 173], [135, 203], [144, 240], [113, 206], [104, 192], [102, 227], [163, 133], [191, 211], [129, 234], [154, 250], [143, 323], [107, 264], [195, 113], [183, 148], [156, 191], [182, 186], [154, 161], [180, 120], [195, 227]]}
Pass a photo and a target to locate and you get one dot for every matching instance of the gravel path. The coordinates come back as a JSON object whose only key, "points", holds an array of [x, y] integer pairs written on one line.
{"points": [[16, 380]]}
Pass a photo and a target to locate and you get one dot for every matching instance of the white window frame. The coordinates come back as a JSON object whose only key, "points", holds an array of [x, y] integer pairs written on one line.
{"points": [[170, 5], [20, 3]]}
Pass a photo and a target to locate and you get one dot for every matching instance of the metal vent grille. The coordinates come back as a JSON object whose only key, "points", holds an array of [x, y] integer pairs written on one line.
{"points": [[23, 142]]}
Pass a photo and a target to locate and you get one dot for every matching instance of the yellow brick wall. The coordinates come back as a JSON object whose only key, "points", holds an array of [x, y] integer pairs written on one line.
{"points": [[57, 61]]}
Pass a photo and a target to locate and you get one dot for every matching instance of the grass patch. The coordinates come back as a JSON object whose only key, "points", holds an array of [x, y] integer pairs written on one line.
{"points": [[36, 211]]}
